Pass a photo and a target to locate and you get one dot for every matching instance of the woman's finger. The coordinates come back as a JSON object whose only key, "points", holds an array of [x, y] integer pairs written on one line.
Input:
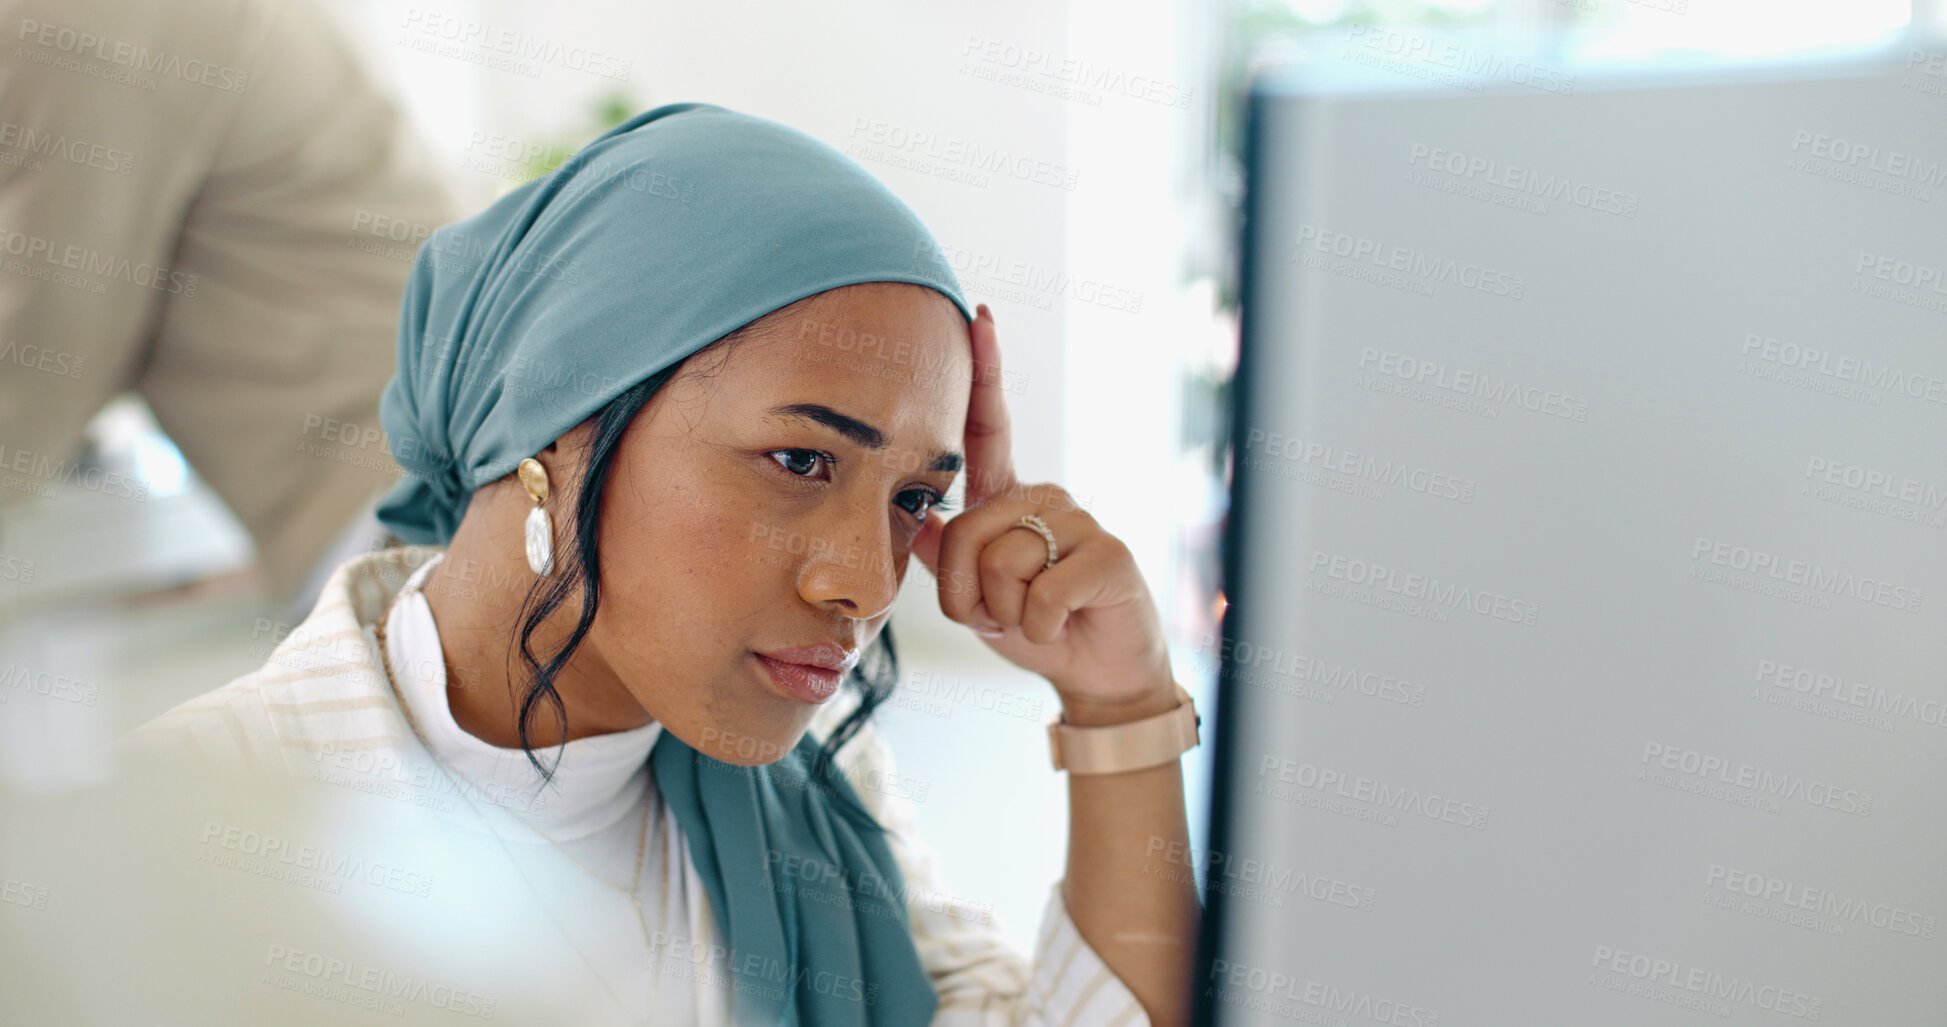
{"points": [[1075, 582], [1007, 565], [966, 537], [989, 433]]}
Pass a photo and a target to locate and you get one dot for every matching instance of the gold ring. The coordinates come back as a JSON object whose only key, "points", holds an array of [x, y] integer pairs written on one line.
{"points": [[1047, 534]]}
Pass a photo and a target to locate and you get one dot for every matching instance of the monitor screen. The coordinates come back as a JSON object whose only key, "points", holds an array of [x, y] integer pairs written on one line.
{"points": [[1585, 659]]}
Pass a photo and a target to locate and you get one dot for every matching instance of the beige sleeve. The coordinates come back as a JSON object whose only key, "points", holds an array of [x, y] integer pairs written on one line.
{"points": [[222, 206], [224, 731]]}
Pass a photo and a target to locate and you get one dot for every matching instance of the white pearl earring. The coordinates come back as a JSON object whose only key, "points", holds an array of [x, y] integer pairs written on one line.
{"points": [[540, 529]]}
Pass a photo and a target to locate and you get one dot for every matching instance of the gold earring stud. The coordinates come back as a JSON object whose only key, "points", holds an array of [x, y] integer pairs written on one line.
{"points": [[540, 528]]}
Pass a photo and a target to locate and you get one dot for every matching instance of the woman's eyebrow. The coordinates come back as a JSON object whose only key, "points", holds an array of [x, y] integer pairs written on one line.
{"points": [[858, 431]]}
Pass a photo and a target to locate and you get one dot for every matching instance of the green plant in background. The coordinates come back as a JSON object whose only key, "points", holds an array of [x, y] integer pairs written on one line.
{"points": [[607, 111]]}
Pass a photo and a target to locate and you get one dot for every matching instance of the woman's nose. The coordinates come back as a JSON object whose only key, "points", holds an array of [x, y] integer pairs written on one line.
{"points": [[852, 568]]}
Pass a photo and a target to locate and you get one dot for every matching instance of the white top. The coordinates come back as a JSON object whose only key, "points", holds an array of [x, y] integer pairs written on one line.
{"points": [[591, 810]]}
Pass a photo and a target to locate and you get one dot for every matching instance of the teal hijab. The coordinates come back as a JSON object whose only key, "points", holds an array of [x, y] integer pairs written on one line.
{"points": [[668, 232]]}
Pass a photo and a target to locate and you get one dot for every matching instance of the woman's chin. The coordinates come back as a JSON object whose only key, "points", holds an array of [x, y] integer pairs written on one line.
{"points": [[752, 748]]}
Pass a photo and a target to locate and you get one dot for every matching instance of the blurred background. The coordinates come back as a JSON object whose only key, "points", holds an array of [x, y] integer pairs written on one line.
{"points": [[1078, 160]]}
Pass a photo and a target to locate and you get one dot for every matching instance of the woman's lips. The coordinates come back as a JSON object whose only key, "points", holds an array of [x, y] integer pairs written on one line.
{"points": [[801, 682]]}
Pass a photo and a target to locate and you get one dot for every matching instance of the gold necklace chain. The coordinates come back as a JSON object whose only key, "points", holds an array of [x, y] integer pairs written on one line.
{"points": [[634, 892]]}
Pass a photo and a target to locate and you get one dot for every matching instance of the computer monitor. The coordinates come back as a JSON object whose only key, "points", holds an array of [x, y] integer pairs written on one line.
{"points": [[1585, 659]]}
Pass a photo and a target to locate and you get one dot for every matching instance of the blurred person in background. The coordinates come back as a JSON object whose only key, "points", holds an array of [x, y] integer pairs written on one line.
{"points": [[213, 204]]}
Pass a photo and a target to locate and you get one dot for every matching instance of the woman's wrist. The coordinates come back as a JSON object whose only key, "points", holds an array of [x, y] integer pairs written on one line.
{"points": [[1157, 700]]}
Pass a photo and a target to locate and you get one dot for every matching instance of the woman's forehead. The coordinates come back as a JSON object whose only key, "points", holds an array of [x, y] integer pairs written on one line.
{"points": [[892, 375], [897, 383], [878, 333]]}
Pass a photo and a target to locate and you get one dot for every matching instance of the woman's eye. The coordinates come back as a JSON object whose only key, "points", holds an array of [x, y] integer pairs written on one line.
{"points": [[799, 457], [801, 463], [928, 500], [921, 502]]}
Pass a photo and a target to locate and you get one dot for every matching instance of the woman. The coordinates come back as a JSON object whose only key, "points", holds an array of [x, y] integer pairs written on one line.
{"points": [[676, 416]]}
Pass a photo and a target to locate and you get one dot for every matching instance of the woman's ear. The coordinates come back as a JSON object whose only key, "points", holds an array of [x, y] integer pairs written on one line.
{"points": [[560, 458], [571, 441]]}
